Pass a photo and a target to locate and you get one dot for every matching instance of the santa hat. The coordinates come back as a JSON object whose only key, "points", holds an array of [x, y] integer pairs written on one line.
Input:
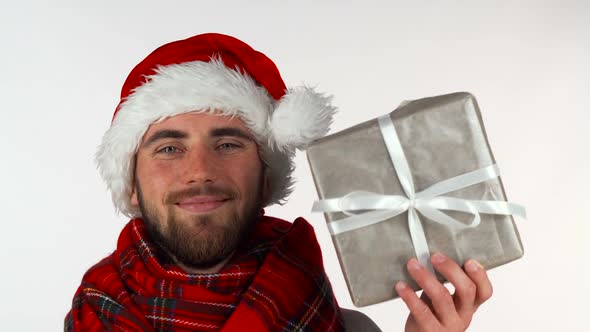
{"points": [[206, 73]]}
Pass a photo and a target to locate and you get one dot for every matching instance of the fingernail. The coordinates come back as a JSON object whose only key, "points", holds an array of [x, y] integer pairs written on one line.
{"points": [[400, 285], [473, 265], [414, 265], [438, 258]]}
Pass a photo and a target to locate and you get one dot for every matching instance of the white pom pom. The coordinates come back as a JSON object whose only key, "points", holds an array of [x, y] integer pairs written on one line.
{"points": [[301, 116]]}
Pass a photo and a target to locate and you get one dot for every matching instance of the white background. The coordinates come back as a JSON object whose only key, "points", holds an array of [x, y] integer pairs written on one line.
{"points": [[64, 64]]}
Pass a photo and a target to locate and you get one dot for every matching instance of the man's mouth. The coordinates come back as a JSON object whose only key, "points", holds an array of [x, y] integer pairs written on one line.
{"points": [[201, 203]]}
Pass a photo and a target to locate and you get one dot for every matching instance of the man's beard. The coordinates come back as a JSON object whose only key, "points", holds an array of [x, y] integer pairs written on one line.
{"points": [[208, 247]]}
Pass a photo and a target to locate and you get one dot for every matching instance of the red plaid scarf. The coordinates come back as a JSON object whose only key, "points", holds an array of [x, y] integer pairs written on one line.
{"points": [[275, 283]]}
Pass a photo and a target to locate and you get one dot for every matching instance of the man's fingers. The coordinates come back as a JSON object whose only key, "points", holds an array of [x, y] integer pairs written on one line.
{"points": [[480, 277], [426, 300], [465, 288], [420, 310], [442, 301]]}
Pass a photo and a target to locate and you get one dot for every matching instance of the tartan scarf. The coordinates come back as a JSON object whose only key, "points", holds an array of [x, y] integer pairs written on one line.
{"points": [[274, 282]]}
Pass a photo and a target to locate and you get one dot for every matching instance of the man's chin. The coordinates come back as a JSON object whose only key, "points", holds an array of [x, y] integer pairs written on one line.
{"points": [[199, 224], [200, 237], [201, 240]]}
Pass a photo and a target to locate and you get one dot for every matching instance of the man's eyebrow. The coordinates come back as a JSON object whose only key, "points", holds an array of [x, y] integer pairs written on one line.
{"points": [[165, 133], [230, 131]]}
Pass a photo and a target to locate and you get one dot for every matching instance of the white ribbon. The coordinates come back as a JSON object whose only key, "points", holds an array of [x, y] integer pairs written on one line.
{"points": [[429, 202]]}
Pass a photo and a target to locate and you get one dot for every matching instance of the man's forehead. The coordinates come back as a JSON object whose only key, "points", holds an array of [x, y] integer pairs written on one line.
{"points": [[200, 123]]}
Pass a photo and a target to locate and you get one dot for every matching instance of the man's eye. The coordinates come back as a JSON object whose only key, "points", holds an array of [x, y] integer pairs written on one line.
{"points": [[168, 150], [228, 146]]}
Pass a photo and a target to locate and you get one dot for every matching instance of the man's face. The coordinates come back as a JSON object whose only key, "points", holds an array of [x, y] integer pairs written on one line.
{"points": [[200, 184]]}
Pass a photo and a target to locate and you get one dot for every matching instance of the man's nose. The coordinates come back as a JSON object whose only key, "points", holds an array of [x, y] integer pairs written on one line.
{"points": [[199, 166]]}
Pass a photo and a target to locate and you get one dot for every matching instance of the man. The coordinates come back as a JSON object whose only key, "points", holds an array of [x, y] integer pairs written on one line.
{"points": [[202, 140]]}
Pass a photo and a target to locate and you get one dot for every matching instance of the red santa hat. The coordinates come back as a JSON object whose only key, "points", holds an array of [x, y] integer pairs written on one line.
{"points": [[206, 73]]}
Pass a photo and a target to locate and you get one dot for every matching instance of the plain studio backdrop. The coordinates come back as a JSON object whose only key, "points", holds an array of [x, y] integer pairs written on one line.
{"points": [[528, 65]]}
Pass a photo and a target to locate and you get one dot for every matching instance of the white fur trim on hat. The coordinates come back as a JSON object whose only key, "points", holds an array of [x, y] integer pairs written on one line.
{"points": [[300, 116]]}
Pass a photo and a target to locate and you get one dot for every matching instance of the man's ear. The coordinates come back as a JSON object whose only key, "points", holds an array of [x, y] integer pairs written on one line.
{"points": [[265, 187], [134, 200]]}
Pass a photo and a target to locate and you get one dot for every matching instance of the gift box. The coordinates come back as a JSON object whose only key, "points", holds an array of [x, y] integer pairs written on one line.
{"points": [[419, 180]]}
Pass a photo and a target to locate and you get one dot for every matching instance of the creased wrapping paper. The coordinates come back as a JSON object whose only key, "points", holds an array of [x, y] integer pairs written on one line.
{"points": [[442, 137]]}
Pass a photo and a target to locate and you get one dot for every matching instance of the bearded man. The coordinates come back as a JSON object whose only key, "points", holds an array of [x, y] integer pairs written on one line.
{"points": [[202, 140]]}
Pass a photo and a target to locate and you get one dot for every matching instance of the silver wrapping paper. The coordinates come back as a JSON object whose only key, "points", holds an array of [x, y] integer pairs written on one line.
{"points": [[442, 137]]}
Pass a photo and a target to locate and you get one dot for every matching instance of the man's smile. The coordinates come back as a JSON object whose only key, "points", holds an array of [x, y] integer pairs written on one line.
{"points": [[202, 203]]}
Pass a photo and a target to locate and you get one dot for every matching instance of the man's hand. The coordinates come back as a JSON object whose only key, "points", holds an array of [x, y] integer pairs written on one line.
{"points": [[437, 309]]}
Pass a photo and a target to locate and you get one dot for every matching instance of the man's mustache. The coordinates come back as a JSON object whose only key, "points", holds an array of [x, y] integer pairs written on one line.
{"points": [[203, 190]]}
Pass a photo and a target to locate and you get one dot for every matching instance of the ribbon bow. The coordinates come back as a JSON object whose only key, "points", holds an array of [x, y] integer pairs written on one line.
{"points": [[429, 202]]}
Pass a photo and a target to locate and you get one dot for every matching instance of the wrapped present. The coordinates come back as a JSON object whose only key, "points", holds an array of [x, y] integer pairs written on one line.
{"points": [[419, 180]]}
